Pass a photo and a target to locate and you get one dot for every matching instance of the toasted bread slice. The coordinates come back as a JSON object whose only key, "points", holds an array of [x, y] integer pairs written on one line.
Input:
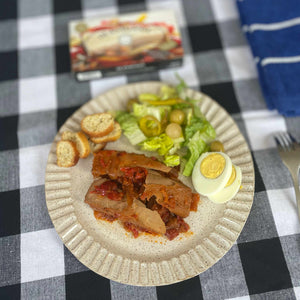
{"points": [[82, 145], [112, 136], [67, 154], [81, 141], [69, 136], [96, 147], [97, 125]]}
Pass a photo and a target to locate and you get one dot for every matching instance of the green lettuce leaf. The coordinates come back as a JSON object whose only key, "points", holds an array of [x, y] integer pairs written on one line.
{"points": [[130, 127], [142, 110], [177, 144], [196, 146], [162, 144], [196, 109], [172, 160], [205, 129], [181, 86], [168, 92]]}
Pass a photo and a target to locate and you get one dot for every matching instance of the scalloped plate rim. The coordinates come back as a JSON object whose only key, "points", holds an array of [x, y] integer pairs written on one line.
{"points": [[160, 282]]}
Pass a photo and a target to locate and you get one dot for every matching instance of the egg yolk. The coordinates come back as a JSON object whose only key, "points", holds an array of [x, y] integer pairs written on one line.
{"points": [[232, 177], [212, 165]]}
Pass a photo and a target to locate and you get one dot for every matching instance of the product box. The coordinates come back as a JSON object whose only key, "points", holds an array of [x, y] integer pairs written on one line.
{"points": [[129, 43]]}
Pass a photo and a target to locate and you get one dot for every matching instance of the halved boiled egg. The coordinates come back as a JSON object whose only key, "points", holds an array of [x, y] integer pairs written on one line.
{"points": [[211, 173], [231, 188]]}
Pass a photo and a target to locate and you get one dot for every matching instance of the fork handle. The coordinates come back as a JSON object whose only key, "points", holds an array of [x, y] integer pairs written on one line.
{"points": [[296, 187]]}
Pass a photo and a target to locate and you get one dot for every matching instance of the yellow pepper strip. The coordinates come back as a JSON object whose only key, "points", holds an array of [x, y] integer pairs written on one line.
{"points": [[147, 97], [172, 101], [150, 126], [141, 18]]}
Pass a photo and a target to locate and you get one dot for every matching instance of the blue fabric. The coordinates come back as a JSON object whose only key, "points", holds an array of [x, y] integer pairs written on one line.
{"points": [[280, 82], [268, 11]]}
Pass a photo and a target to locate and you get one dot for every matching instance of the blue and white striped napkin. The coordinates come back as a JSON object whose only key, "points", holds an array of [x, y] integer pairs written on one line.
{"points": [[273, 31]]}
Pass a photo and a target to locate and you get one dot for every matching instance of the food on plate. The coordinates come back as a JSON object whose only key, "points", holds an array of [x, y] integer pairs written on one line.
{"points": [[81, 141], [150, 126], [168, 123], [230, 189], [67, 154], [111, 137], [177, 116], [216, 146], [97, 125], [97, 147], [84, 143], [172, 125], [216, 177], [112, 208], [211, 172], [141, 192], [110, 162], [174, 131], [169, 193]]}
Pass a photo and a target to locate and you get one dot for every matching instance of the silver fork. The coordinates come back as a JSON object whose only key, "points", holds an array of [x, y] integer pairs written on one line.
{"points": [[289, 151]]}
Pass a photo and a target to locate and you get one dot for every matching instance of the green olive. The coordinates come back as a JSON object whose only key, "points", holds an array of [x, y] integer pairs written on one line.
{"points": [[130, 103], [177, 116], [216, 146], [174, 130]]}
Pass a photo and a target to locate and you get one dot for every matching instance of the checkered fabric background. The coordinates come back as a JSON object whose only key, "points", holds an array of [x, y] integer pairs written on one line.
{"points": [[37, 94]]}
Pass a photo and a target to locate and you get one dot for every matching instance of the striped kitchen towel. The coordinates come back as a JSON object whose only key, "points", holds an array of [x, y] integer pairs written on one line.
{"points": [[273, 31]]}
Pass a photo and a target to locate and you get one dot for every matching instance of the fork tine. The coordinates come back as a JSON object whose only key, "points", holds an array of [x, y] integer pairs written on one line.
{"points": [[278, 141], [287, 140], [282, 141], [292, 139]]}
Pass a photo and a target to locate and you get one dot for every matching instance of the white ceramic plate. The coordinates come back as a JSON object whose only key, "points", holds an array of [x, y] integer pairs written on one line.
{"points": [[106, 248]]}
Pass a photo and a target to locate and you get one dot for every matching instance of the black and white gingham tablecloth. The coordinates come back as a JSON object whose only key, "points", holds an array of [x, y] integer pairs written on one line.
{"points": [[37, 94]]}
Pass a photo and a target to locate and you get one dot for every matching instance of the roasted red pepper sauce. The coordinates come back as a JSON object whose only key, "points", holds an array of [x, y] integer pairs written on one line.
{"points": [[110, 189]]}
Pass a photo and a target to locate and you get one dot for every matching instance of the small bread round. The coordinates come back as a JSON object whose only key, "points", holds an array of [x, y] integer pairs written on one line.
{"points": [[97, 125], [82, 145], [96, 147], [80, 140], [111, 137], [68, 136], [67, 154]]}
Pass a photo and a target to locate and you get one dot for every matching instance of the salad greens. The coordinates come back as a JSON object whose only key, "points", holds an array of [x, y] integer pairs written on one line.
{"points": [[196, 146], [172, 160], [142, 110], [130, 127], [202, 126], [162, 144], [197, 133]]}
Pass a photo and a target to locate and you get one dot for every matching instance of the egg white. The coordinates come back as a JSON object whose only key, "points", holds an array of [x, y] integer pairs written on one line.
{"points": [[207, 186], [228, 192]]}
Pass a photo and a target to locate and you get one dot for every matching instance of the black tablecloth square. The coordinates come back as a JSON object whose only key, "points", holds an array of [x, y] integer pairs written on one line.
{"points": [[217, 92], [264, 266], [8, 10], [9, 65], [11, 292], [87, 285], [8, 132], [62, 58], [63, 114], [204, 37], [9, 213], [64, 6], [189, 290]]}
